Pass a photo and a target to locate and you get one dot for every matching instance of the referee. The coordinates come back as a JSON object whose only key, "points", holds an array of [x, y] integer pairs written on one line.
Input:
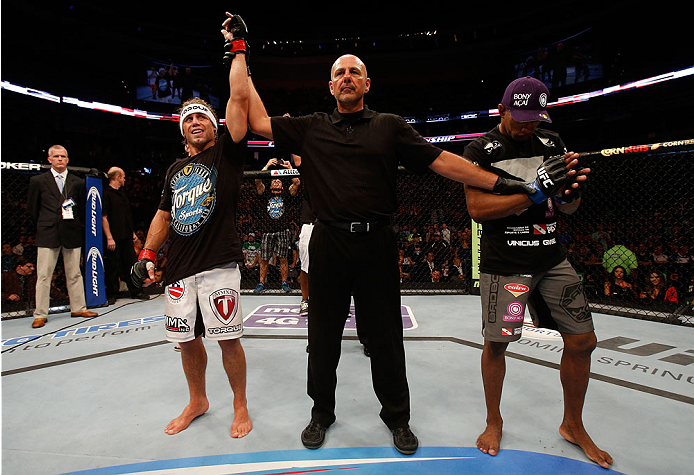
{"points": [[350, 160]]}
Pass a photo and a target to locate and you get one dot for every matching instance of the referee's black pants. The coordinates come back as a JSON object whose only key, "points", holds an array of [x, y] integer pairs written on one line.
{"points": [[366, 264]]}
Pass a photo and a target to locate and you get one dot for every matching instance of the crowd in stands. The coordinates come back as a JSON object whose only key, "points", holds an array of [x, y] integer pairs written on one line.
{"points": [[648, 262], [654, 268]]}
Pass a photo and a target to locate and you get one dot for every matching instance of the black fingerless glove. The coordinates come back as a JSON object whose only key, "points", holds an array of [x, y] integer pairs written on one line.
{"points": [[140, 270], [551, 176], [238, 44]]}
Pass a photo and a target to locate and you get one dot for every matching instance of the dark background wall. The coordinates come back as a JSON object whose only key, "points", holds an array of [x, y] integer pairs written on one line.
{"points": [[96, 50]]}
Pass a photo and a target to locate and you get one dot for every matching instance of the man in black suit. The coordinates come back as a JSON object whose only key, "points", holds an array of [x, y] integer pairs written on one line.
{"points": [[54, 202]]}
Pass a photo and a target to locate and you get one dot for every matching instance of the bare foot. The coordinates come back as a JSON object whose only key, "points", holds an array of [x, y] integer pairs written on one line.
{"points": [[581, 438], [190, 412], [242, 424], [490, 440]]}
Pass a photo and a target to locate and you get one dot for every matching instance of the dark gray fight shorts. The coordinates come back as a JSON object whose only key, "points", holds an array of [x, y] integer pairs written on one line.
{"points": [[555, 300]]}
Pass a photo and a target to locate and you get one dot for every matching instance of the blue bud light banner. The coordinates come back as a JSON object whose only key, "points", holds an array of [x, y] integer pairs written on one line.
{"points": [[94, 279]]}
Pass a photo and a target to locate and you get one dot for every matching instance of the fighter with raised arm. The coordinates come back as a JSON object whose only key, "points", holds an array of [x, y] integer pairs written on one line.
{"points": [[197, 213]]}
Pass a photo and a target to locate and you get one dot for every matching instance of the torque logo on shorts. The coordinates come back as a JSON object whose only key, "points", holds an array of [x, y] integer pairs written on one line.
{"points": [[193, 197], [223, 303], [176, 291]]}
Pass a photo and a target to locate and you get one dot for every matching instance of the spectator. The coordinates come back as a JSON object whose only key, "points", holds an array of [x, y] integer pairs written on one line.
{"points": [[658, 290], [308, 220], [463, 245], [251, 257], [644, 257], [8, 257], [19, 285], [659, 257], [457, 271], [683, 255], [139, 243], [427, 267], [619, 255], [152, 80], [30, 248], [436, 275], [405, 264], [559, 61], [416, 254], [617, 286], [275, 204], [18, 248], [681, 262], [600, 235], [446, 233], [440, 249], [678, 284]]}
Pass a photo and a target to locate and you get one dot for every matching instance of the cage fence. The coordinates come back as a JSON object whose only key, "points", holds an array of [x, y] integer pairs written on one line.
{"points": [[630, 241]]}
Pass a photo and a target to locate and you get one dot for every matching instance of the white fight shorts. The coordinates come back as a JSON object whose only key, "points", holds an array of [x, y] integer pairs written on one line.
{"points": [[208, 302]]}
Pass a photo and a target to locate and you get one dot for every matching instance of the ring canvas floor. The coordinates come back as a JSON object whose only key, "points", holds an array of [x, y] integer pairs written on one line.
{"points": [[94, 396]]}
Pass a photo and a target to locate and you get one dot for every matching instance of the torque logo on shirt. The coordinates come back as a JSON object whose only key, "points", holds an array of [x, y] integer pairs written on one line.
{"points": [[516, 289], [223, 304], [193, 197], [176, 291], [275, 207]]}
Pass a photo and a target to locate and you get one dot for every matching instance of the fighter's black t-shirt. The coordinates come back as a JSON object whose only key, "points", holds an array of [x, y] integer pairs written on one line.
{"points": [[202, 193], [525, 242], [349, 162]]}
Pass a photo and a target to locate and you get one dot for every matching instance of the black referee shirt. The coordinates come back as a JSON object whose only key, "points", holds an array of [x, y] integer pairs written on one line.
{"points": [[350, 161]]}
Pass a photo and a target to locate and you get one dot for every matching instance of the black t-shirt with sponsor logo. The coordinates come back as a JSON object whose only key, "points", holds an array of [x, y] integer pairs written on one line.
{"points": [[277, 207], [525, 242], [202, 193]]}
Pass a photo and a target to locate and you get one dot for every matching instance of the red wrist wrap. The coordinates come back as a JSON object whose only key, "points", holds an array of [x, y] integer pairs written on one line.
{"points": [[148, 254], [238, 46]]}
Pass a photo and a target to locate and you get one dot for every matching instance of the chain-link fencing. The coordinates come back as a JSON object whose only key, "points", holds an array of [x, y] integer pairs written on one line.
{"points": [[630, 241]]}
